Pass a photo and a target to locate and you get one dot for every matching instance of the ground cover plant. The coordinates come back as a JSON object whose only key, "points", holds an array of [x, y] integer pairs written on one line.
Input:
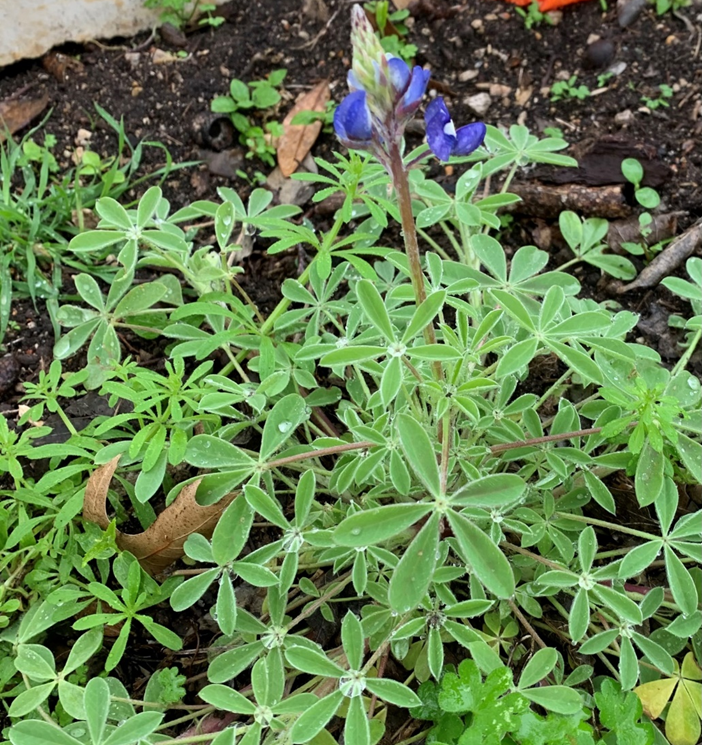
{"points": [[394, 541]]}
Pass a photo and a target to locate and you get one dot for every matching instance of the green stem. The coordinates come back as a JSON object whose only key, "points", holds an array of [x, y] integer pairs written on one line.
{"points": [[187, 718], [609, 526], [682, 362], [64, 418], [433, 244], [553, 389], [452, 238], [508, 180]]}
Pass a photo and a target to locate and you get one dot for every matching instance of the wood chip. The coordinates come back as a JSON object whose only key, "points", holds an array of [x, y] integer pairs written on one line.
{"points": [[162, 543], [297, 139], [548, 201], [662, 227], [668, 260], [16, 114]]}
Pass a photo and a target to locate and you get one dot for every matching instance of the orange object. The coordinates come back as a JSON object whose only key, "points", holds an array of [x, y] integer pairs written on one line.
{"points": [[545, 5]]}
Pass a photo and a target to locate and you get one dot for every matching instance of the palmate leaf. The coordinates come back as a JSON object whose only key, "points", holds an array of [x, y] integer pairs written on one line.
{"points": [[682, 725], [412, 576], [370, 527], [419, 451], [36, 732], [315, 718], [486, 560]]}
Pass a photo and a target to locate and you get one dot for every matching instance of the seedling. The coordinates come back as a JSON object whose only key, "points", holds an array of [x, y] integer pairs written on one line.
{"points": [[180, 13], [391, 29], [533, 16], [603, 78], [663, 6], [586, 238], [568, 89], [260, 95], [647, 198], [326, 117], [656, 103]]}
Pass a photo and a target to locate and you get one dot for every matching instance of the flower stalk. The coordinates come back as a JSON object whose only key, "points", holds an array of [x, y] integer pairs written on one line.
{"points": [[385, 95]]}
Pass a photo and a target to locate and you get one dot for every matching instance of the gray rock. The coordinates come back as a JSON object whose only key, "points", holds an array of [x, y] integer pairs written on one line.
{"points": [[480, 103]]}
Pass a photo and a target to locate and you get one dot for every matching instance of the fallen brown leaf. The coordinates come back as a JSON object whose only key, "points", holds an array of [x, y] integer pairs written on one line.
{"points": [[162, 543], [17, 113], [297, 139], [58, 65]]}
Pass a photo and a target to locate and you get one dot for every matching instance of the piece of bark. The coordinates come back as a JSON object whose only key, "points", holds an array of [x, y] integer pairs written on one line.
{"points": [[161, 544], [600, 164], [668, 260], [662, 227], [59, 64], [548, 201], [17, 113]]}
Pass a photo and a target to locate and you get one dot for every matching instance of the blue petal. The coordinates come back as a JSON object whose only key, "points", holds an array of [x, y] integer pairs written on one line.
{"points": [[415, 91], [437, 119], [399, 74], [352, 119], [468, 138]]}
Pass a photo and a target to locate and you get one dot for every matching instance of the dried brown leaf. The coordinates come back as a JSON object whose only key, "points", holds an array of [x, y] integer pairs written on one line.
{"points": [[297, 139], [162, 543], [17, 113]]}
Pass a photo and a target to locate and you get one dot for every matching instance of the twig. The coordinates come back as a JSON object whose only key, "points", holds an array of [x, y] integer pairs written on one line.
{"points": [[320, 453], [530, 629], [502, 447], [313, 43]]}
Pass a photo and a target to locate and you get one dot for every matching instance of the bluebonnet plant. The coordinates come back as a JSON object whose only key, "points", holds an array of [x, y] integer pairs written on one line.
{"points": [[385, 95]]}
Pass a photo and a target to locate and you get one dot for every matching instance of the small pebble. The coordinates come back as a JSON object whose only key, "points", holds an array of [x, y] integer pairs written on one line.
{"points": [[617, 68], [132, 59], [599, 54], [173, 36], [499, 91], [467, 75], [479, 103], [83, 137], [629, 10], [624, 118]]}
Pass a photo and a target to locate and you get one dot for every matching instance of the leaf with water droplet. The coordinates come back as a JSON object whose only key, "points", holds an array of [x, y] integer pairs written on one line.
{"points": [[224, 223], [370, 527], [282, 421]]}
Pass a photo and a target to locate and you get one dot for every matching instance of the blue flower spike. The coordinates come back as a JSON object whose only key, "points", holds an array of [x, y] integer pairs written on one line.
{"points": [[444, 139], [352, 121]]}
